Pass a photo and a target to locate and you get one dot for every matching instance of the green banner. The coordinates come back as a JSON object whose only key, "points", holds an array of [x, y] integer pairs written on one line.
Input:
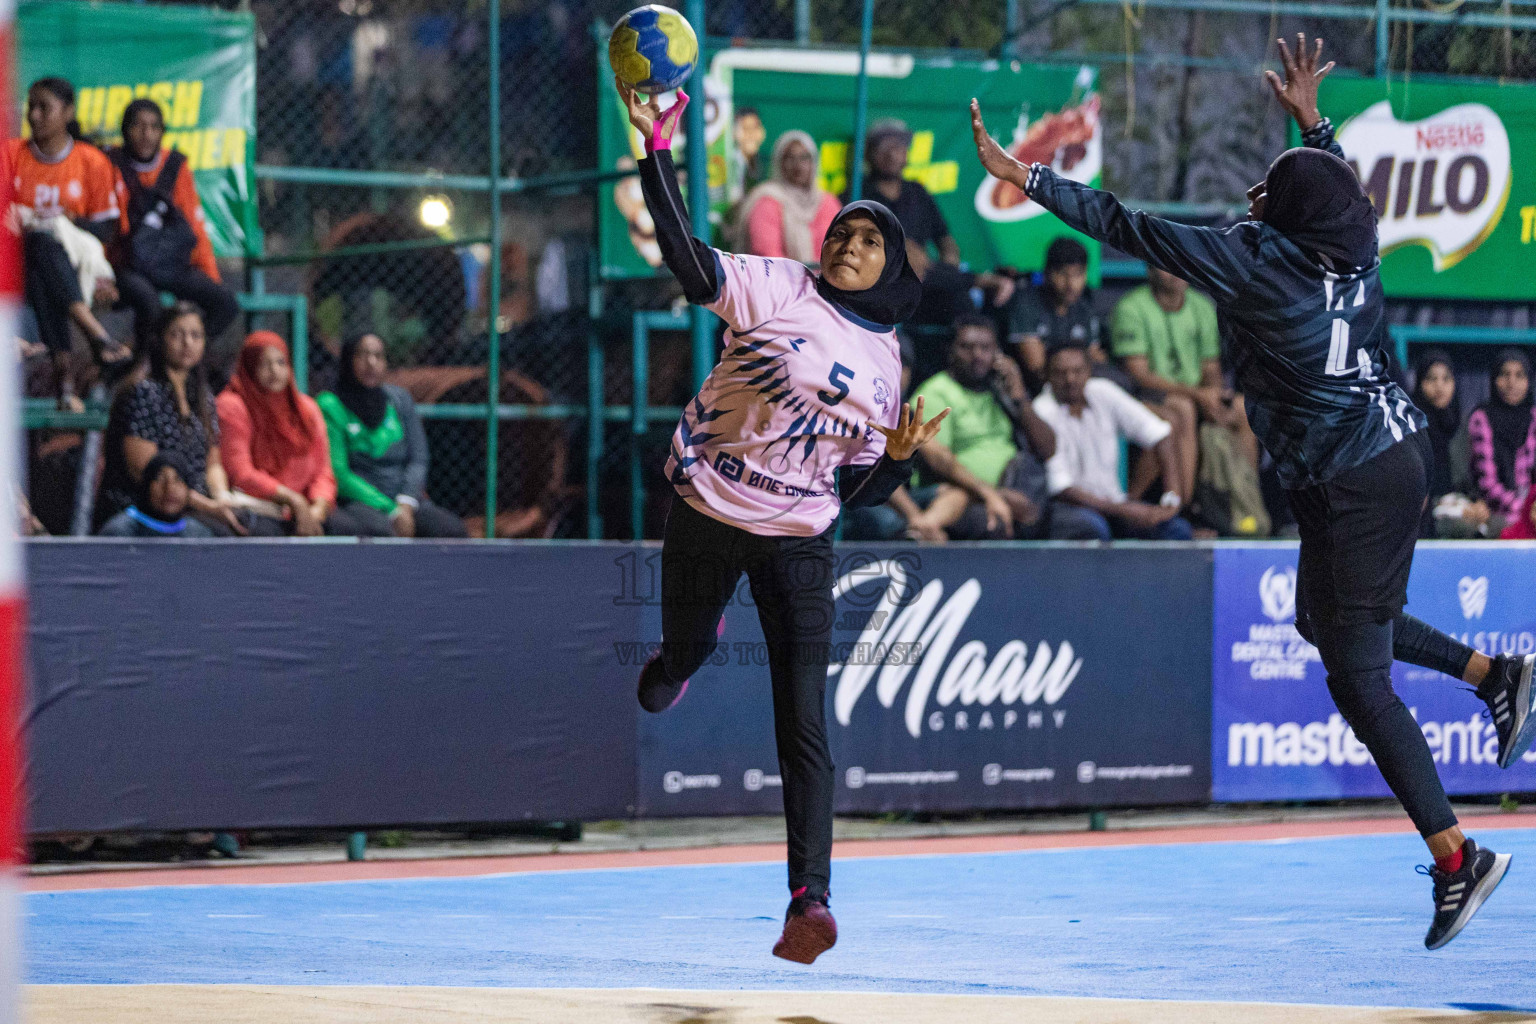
{"points": [[199, 65], [1456, 214], [1047, 113]]}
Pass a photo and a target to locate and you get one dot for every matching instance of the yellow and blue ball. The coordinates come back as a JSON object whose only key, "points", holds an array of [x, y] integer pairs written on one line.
{"points": [[653, 49]]}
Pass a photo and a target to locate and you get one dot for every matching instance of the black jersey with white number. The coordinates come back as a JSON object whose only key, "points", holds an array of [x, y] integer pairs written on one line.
{"points": [[1308, 340]]}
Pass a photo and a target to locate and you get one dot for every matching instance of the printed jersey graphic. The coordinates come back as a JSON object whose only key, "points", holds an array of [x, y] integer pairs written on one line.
{"points": [[788, 404]]}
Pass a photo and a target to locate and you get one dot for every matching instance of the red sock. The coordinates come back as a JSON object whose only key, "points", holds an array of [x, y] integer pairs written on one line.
{"points": [[1451, 863]]}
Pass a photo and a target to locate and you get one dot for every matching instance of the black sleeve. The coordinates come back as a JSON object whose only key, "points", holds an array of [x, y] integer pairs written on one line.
{"points": [[690, 260], [1219, 262], [1320, 136], [104, 230], [864, 486]]}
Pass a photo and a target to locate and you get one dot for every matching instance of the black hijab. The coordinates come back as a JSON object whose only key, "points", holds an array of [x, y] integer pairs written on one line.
{"points": [[1315, 200], [367, 404], [152, 472], [1511, 423], [1443, 423], [895, 296]]}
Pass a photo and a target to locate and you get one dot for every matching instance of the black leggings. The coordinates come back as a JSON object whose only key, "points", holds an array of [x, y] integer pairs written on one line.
{"points": [[51, 287], [791, 578], [216, 301]]}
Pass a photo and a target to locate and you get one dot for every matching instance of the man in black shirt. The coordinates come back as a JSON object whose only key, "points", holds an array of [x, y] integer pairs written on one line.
{"points": [[885, 149], [1300, 288], [1058, 314]]}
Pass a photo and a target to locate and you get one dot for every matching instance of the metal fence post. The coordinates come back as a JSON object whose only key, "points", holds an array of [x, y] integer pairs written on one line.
{"points": [[639, 421], [698, 195], [861, 103], [1382, 38], [595, 406], [493, 294], [802, 21]]}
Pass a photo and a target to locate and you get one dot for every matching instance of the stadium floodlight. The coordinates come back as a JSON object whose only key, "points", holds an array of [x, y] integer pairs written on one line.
{"points": [[436, 212]]}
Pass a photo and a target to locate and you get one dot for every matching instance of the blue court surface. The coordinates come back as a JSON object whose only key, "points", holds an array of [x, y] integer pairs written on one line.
{"points": [[1337, 921]]}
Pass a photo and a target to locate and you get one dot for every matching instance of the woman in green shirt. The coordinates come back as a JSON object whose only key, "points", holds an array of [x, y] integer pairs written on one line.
{"points": [[379, 449]]}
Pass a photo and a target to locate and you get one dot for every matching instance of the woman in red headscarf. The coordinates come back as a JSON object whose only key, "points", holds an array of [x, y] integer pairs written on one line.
{"points": [[274, 445]]}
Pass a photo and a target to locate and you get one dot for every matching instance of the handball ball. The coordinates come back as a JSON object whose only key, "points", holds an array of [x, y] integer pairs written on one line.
{"points": [[653, 49]]}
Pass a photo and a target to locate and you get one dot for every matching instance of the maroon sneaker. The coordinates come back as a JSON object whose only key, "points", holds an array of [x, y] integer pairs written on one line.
{"points": [[657, 691], [809, 929]]}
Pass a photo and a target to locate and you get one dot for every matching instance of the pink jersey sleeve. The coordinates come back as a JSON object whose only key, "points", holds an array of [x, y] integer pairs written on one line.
{"points": [[753, 289]]}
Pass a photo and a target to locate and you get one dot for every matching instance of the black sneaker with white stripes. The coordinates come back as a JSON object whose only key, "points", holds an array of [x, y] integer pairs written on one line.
{"points": [[1458, 894], [1511, 701]]}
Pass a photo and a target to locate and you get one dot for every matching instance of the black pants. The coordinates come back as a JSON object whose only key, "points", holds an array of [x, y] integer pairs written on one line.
{"points": [[338, 523], [216, 301], [1357, 538], [432, 521], [51, 287], [791, 578]]}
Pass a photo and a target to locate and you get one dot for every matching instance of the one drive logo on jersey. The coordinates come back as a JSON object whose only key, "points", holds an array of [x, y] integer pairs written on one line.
{"points": [[1276, 734], [966, 679], [1440, 182]]}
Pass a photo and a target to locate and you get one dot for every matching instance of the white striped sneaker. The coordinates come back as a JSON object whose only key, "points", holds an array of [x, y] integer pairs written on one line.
{"points": [[1511, 700], [1458, 894]]}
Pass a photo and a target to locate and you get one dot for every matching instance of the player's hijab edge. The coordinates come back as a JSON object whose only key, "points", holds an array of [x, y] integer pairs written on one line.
{"points": [[895, 296], [1315, 200]]}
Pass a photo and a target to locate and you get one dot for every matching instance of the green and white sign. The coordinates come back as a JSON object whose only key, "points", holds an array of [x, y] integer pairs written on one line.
{"points": [[199, 65], [1048, 113], [1456, 213]]}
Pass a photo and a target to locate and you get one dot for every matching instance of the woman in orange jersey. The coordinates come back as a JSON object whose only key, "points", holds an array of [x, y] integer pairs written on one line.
{"points": [[161, 250], [56, 175]]}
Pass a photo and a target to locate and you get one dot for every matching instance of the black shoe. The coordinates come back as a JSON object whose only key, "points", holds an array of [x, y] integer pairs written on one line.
{"points": [[657, 691], [1458, 894], [1510, 698]]}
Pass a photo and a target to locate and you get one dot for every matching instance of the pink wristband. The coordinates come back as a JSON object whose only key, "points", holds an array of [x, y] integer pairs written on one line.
{"points": [[663, 127]]}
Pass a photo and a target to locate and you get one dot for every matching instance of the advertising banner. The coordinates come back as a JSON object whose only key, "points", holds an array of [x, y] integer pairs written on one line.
{"points": [[1048, 113], [1456, 212], [964, 678], [198, 64], [1276, 734]]}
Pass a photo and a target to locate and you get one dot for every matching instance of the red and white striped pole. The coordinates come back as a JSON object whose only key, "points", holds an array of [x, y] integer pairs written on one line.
{"points": [[13, 608]]}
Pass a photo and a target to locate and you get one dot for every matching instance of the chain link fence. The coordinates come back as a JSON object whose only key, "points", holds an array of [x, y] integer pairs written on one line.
{"points": [[373, 128]]}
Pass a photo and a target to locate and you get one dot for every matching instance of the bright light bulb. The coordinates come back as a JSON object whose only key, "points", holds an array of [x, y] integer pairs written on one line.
{"points": [[436, 211]]}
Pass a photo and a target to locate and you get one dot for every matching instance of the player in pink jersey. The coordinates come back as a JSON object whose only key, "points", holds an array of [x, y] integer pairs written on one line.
{"points": [[799, 418]]}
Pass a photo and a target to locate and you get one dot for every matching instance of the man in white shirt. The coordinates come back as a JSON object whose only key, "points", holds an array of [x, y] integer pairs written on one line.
{"points": [[1090, 415]]}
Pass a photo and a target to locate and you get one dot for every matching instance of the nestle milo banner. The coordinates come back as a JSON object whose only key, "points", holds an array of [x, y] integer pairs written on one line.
{"points": [[1048, 113], [1456, 210], [199, 65]]}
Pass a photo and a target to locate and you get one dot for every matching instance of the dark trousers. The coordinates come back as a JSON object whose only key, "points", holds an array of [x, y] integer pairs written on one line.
{"points": [[51, 286], [791, 579], [1357, 538], [338, 523], [216, 301], [432, 522]]}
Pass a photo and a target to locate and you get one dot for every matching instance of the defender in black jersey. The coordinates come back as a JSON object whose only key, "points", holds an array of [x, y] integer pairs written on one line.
{"points": [[1298, 287]]}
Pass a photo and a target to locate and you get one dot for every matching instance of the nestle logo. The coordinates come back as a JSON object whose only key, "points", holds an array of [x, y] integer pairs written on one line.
{"points": [[1449, 136]]}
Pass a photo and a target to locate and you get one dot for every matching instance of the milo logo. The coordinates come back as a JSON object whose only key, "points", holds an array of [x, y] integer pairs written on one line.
{"points": [[1440, 182]]}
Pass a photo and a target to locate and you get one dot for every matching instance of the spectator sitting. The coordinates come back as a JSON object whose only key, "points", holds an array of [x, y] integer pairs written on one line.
{"points": [[379, 449], [1090, 416], [1450, 513], [161, 506], [169, 408], [886, 149], [274, 446], [65, 195], [788, 215], [183, 263], [1058, 314], [1502, 437]]}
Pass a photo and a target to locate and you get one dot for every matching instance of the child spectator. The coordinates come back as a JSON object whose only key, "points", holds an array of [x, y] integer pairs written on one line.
{"points": [[1450, 512], [169, 409], [64, 202], [160, 509], [1058, 314], [274, 445], [180, 258], [379, 449], [1502, 435], [788, 215], [1090, 416]]}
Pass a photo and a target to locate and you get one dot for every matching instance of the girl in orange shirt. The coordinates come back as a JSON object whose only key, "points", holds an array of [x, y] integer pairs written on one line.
{"points": [[140, 161], [55, 174]]}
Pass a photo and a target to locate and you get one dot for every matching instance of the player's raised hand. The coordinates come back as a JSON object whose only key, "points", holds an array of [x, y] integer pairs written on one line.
{"points": [[655, 124], [1298, 93], [993, 157], [910, 433]]}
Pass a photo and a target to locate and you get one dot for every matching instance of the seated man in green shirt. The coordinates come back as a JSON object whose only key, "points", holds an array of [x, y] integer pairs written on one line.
{"points": [[1166, 338]]}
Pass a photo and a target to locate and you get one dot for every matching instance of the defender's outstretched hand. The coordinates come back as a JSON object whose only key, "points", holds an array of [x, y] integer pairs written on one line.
{"points": [[655, 124], [911, 433], [1298, 93], [993, 157]]}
